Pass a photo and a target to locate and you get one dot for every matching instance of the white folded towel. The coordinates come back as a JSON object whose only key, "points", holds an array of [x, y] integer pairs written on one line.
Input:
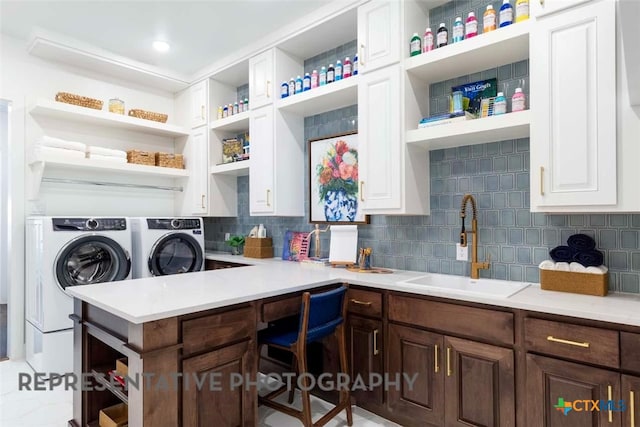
{"points": [[52, 153], [597, 270], [547, 265], [562, 266], [49, 141], [110, 159], [101, 151], [576, 267]]}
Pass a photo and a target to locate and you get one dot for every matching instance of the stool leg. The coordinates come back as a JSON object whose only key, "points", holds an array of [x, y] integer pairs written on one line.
{"points": [[301, 356], [292, 391], [345, 396]]}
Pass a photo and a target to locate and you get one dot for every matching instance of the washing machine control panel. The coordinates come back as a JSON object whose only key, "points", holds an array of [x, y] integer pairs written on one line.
{"points": [[173, 224], [89, 224]]}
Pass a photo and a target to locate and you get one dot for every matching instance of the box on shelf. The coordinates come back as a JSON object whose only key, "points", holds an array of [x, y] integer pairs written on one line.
{"points": [[231, 150], [140, 157], [255, 247], [114, 416], [578, 283], [168, 160], [122, 367]]}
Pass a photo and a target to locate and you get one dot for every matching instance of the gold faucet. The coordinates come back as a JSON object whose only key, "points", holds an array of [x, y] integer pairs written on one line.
{"points": [[475, 265]]}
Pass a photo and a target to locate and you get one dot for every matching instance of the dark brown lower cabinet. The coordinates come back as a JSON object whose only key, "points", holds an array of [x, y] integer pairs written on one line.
{"points": [[213, 401], [416, 354], [553, 383], [631, 397], [479, 384], [364, 338]]}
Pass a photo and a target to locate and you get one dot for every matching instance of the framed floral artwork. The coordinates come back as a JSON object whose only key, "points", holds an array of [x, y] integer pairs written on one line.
{"points": [[333, 184]]}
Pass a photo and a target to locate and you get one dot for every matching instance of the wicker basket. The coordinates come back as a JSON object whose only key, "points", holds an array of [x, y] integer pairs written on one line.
{"points": [[141, 157], [82, 101], [149, 115], [258, 248], [167, 160], [578, 283]]}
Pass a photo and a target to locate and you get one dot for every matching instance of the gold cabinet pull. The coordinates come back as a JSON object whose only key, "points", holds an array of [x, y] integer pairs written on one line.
{"points": [[436, 368], [268, 83], [376, 350], [202, 203], [632, 407], [268, 198], [361, 192], [610, 397], [202, 112], [361, 54], [448, 361], [542, 180], [358, 302], [561, 341]]}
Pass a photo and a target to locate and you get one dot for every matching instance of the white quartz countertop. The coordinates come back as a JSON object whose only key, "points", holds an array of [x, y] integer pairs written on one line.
{"points": [[145, 300]]}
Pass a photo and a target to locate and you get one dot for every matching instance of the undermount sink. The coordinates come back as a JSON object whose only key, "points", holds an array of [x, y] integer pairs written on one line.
{"points": [[466, 286]]}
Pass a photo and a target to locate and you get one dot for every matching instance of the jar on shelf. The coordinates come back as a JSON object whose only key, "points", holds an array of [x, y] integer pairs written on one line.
{"points": [[116, 106]]}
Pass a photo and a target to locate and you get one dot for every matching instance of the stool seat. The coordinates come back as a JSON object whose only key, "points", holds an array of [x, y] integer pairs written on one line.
{"points": [[285, 336]]}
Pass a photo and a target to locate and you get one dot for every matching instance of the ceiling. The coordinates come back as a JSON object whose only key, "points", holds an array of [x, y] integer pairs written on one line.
{"points": [[200, 32]]}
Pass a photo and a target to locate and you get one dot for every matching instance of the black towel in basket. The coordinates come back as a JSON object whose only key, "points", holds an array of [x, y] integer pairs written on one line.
{"points": [[581, 242], [562, 254], [592, 258]]}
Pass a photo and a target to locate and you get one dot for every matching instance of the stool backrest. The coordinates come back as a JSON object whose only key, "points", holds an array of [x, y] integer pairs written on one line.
{"points": [[321, 314]]}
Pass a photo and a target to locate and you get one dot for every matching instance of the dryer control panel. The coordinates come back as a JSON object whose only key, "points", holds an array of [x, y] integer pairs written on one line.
{"points": [[174, 224], [89, 224]]}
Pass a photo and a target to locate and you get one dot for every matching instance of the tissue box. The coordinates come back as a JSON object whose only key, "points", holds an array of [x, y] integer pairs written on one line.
{"points": [[258, 248], [578, 283]]}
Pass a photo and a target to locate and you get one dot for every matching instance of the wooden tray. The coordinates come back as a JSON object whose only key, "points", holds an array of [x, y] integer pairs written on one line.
{"points": [[371, 270]]}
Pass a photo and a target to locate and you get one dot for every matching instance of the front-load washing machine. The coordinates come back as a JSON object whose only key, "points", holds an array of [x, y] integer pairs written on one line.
{"points": [[62, 252], [163, 246]]}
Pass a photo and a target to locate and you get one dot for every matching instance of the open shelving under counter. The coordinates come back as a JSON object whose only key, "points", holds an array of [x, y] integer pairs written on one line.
{"points": [[505, 45], [60, 110], [332, 96], [234, 168], [235, 123], [470, 132]]}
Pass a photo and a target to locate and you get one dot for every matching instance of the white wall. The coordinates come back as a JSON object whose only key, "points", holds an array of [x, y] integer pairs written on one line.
{"points": [[23, 80]]}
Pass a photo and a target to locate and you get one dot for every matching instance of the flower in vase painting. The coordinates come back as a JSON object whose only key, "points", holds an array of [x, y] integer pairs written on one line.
{"points": [[337, 176]]}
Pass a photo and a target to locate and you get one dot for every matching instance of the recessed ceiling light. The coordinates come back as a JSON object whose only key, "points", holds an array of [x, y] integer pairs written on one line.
{"points": [[161, 46]]}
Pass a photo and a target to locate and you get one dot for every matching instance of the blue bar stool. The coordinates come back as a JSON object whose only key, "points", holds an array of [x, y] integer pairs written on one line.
{"points": [[322, 315]]}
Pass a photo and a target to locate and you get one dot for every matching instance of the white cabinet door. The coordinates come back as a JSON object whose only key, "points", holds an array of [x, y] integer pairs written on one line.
{"points": [[195, 201], [199, 94], [261, 176], [540, 8], [261, 79], [380, 141], [378, 34], [573, 101]]}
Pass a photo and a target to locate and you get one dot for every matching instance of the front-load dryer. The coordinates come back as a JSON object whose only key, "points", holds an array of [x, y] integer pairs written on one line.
{"points": [[163, 246], [62, 252]]}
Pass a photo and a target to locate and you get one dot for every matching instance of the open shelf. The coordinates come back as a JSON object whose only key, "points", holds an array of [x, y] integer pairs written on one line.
{"points": [[90, 165], [341, 93], [101, 376], [236, 123], [469, 132], [60, 110], [503, 46], [234, 168]]}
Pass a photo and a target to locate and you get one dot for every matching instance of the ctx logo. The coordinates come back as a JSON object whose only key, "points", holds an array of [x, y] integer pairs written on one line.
{"points": [[585, 405]]}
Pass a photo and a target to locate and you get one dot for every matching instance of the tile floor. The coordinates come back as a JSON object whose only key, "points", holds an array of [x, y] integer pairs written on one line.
{"points": [[54, 408]]}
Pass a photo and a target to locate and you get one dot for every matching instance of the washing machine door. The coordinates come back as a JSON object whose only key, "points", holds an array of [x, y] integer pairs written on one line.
{"points": [[175, 253], [91, 259]]}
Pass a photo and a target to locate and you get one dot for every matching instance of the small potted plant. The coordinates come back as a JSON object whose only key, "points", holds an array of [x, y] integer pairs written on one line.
{"points": [[236, 243]]}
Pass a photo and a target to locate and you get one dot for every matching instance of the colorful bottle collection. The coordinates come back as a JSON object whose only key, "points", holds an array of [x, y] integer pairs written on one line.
{"points": [[342, 70], [500, 104], [518, 100], [229, 110], [462, 30]]}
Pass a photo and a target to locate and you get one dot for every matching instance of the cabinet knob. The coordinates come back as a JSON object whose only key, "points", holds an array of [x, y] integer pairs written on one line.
{"points": [[436, 367], [632, 408], [361, 192], [268, 91], [202, 112], [361, 54], [202, 202], [268, 197], [448, 361], [376, 350], [610, 397], [542, 180]]}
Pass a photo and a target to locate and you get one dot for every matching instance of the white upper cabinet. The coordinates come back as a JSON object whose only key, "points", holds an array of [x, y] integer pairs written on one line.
{"points": [[573, 100], [195, 197], [261, 81], [540, 8], [261, 175], [378, 35], [199, 95]]}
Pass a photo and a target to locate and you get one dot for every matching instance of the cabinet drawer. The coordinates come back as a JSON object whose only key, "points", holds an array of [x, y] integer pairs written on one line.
{"points": [[478, 323], [581, 343], [368, 303], [629, 351], [218, 329], [279, 309]]}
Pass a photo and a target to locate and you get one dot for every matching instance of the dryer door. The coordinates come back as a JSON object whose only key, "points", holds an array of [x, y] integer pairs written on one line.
{"points": [[175, 253], [91, 259]]}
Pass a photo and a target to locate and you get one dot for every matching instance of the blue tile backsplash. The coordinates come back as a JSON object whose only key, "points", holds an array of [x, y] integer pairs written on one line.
{"points": [[497, 174]]}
